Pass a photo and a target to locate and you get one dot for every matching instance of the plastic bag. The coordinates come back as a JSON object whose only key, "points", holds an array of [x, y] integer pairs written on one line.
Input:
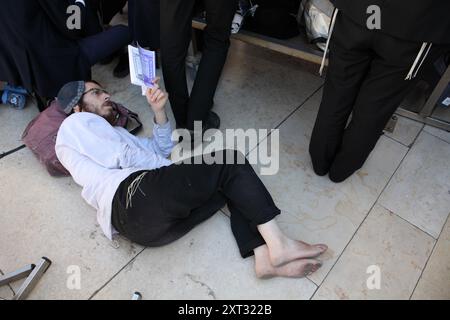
{"points": [[317, 16]]}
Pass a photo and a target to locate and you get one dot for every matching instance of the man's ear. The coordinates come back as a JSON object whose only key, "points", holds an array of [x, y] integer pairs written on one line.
{"points": [[77, 108]]}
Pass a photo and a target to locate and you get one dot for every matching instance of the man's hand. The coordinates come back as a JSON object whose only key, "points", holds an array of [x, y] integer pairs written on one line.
{"points": [[157, 99]]}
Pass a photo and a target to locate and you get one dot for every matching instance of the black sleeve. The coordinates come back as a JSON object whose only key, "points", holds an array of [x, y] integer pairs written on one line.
{"points": [[56, 11]]}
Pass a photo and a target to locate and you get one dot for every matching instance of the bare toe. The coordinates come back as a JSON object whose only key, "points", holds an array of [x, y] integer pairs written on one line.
{"points": [[294, 250], [322, 247], [298, 268]]}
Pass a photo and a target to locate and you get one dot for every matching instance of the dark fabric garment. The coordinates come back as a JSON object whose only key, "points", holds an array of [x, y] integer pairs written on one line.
{"points": [[143, 20], [273, 22], [37, 50], [100, 46], [109, 8], [275, 19], [292, 6], [411, 20], [365, 77], [176, 28], [170, 201], [92, 23]]}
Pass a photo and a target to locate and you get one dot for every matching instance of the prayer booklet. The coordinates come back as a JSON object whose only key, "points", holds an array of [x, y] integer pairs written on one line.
{"points": [[142, 67]]}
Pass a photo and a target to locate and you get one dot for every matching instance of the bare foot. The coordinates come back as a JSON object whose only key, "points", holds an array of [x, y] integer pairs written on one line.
{"points": [[290, 250], [294, 269]]}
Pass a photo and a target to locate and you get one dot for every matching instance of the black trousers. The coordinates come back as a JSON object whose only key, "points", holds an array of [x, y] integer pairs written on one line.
{"points": [[170, 201], [366, 78], [176, 29], [144, 22]]}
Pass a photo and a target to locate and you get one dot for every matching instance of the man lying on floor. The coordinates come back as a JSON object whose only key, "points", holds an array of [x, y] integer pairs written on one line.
{"points": [[145, 197]]}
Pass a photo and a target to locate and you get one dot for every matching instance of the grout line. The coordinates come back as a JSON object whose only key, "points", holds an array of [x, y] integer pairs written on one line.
{"points": [[365, 218], [395, 140], [317, 285], [436, 137], [429, 258], [417, 137], [286, 118], [115, 275], [301, 105], [315, 291], [410, 223]]}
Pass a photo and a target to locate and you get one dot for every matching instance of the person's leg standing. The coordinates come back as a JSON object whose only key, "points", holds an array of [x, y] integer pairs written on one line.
{"points": [[349, 61], [176, 29], [219, 15], [380, 95], [144, 22]]}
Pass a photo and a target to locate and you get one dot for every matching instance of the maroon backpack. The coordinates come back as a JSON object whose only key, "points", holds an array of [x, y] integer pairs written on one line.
{"points": [[40, 134]]}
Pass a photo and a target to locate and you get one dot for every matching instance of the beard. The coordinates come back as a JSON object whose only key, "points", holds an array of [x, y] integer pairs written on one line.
{"points": [[110, 112]]}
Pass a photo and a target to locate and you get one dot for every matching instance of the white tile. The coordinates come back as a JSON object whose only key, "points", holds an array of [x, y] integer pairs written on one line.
{"points": [[406, 130], [444, 135], [204, 264], [420, 190], [397, 252], [435, 281], [45, 216], [12, 123]]}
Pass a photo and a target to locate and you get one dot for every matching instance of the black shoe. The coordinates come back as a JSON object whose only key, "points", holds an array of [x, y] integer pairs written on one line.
{"points": [[213, 121], [123, 68]]}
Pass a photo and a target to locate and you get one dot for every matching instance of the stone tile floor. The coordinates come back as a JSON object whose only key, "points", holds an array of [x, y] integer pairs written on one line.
{"points": [[390, 218]]}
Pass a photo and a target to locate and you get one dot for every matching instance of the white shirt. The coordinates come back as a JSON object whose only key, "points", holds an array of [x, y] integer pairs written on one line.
{"points": [[99, 157]]}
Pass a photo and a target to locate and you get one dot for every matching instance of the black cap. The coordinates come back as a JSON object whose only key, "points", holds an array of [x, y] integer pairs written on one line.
{"points": [[70, 95]]}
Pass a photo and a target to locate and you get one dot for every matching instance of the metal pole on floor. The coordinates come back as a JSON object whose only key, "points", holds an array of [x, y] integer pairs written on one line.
{"points": [[32, 273]]}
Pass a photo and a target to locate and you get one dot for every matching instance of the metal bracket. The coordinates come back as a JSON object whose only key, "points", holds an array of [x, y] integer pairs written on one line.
{"points": [[390, 127], [31, 272]]}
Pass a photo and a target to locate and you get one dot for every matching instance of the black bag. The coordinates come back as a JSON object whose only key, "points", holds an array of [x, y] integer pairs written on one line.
{"points": [[275, 19], [273, 22]]}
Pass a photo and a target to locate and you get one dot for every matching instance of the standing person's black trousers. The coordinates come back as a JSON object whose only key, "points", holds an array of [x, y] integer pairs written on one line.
{"points": [[176, 29], [154, 208], [144, 21], [365, 78]]}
